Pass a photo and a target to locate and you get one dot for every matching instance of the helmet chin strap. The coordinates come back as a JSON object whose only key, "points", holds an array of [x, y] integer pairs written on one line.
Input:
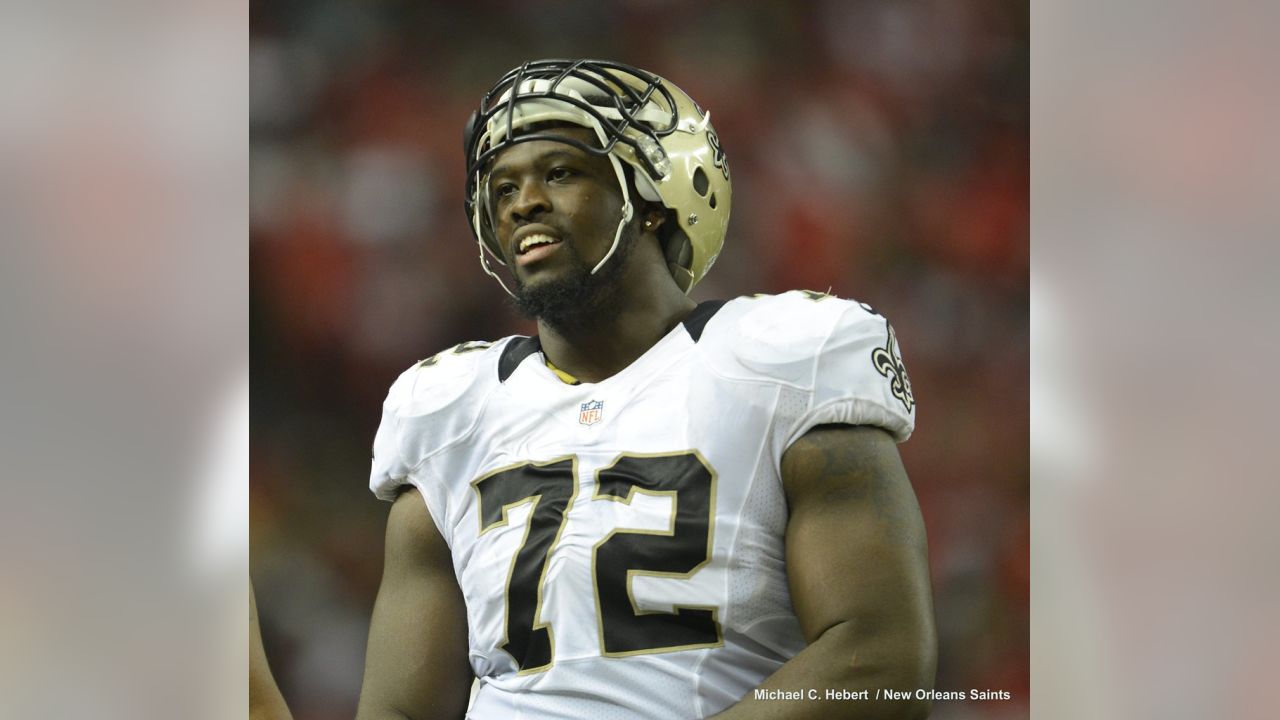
{"points": [[488, 269], [628, 210], [484, 257]]}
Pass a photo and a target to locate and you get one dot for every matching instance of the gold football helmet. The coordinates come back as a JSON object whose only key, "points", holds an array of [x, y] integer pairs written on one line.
{"points": [[639, 119]]}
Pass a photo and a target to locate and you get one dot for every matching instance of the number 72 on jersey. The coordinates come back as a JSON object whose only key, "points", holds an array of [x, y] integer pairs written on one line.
{"points": [[678, 552]]}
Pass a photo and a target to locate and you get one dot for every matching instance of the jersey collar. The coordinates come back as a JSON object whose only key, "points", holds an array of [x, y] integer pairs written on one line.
{"points": [[521, 347]]}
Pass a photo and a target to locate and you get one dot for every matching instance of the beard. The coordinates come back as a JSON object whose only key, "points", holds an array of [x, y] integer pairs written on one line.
{"points": [[577, 298]]}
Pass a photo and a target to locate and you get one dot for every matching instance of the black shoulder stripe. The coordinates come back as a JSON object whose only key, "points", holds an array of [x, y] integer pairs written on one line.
{"points": [[701, 315], [514, 353]]}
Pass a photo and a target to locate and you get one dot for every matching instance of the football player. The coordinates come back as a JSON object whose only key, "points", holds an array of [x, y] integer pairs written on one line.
{"points": [[652, 508]]}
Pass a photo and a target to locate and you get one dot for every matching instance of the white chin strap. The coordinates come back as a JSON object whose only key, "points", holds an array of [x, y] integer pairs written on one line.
{"points": [[484, 251], [627, 213], [628, 210]]}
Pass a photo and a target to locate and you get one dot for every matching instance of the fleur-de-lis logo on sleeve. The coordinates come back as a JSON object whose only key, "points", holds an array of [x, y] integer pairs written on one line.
{"points": [[889, 364]]}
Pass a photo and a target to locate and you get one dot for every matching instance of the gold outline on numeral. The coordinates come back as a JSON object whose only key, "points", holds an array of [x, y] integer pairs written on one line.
{"points": [[542, 577], [670, 532]]}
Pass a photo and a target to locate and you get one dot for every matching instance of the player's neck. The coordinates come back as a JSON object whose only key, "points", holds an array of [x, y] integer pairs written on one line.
{"points": [[603, 345]]}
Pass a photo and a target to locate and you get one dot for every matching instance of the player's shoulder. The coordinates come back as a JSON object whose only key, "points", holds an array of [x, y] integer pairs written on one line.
{"points": [[780, 336], [792, 315], [446, 379]]}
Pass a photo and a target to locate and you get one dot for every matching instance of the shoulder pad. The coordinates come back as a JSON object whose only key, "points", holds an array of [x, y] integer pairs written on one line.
{"points": [[842, 354], [437, 382], [431, 405], [772, 337]]}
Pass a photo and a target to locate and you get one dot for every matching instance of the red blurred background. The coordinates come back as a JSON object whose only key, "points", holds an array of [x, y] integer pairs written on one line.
{"points": [[879, 150]]}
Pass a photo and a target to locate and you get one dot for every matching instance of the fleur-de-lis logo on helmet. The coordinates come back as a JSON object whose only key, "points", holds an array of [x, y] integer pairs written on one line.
{"points": [[717, 153]]}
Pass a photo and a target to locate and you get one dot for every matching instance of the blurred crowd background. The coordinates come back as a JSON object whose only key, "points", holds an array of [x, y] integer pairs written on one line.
{"points": [[879, 150]]}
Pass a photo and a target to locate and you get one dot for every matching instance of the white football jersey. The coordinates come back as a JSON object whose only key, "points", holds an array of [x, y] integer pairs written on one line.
{"points": [[620, 544]]}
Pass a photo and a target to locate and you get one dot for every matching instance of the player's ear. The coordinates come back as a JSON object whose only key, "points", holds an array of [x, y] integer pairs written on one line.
{"points": [[653, 217]]}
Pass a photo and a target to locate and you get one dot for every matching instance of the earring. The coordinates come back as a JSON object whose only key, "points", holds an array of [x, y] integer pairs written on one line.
{"points": [[648, 224]]}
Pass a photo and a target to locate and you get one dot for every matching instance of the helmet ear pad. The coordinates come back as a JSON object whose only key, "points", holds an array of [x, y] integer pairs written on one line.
{"points": [[676, 247], [663, 223], [678, 250]]}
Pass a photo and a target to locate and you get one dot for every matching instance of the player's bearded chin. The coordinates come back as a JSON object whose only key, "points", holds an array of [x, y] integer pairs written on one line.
{"points": [[576, 297]]}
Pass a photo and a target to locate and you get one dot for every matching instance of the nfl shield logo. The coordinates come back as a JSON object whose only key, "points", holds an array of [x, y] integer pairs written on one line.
{"points": [[590, 413]]}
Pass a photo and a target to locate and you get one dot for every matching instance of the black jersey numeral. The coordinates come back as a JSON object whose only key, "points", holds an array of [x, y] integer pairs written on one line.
{"points": [[679, 552], [550, 487]]}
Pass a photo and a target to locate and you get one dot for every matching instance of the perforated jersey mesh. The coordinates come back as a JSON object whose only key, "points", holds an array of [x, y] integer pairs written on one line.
{"points": [[759, 591]]}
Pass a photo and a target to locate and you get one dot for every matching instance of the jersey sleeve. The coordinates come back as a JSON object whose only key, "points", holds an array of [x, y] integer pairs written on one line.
{"points": [[859, 378], [432, 407], [390, 470]]}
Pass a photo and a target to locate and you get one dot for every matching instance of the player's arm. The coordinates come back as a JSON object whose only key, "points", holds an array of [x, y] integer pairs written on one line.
{"points": [[416, 665], [857, 566], [265, 700]]}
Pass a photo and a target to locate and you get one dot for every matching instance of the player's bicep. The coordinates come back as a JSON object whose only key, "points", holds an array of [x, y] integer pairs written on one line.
{"points": [[856, 552], [416, 664]]}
